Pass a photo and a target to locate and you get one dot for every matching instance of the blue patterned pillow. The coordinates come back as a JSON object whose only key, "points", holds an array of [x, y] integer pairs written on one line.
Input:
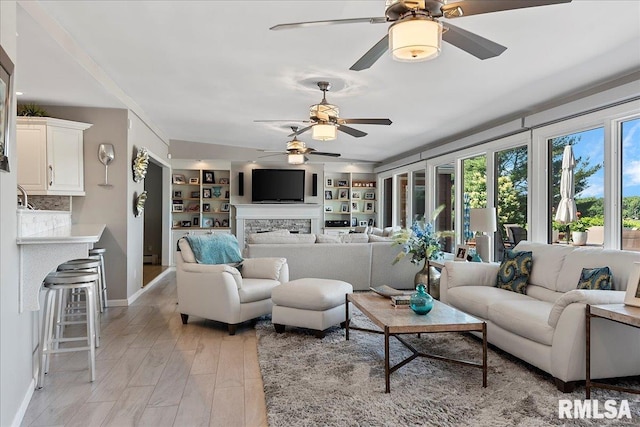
{"points": [[514, 271], [595, 278]]}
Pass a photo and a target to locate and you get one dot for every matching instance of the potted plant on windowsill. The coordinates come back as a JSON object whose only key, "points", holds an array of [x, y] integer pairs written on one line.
{"points": [[579, 232], [557, 228]]}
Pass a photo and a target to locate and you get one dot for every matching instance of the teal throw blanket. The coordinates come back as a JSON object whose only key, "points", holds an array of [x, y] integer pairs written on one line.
{"points": [[215, 248]]}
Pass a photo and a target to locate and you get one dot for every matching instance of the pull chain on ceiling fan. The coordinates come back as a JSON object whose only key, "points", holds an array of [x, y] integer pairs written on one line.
{"points": [[325, 120], [416, 34]]}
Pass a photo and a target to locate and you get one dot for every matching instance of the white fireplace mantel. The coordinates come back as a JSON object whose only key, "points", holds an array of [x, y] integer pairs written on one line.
{"points": [[312, 211]]}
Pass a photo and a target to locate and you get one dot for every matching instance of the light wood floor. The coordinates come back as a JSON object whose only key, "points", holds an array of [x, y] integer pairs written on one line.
{"points": [[153, 370], [150, 272]]}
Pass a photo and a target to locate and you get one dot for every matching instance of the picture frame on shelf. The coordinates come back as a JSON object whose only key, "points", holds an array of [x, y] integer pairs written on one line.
{"points": [[224, 207], [369, 195], [193, 207], [355, 207], [632, 295], [207, 222], [328, 182], [206, 207], [363, 223], [355, 194], [328, 209], [178, 207], [185, 224], [343, 195], [371, 222], [344, 208], [369, 207], [223, 181], [354, 222], [217, 223], [208, 177], [178, 178], [195, 180], [206, 193], [343, 183], [225, 222], [177, 194], [461, 252], [195, 221], [226, 194], [328, 195], [195, 194]]}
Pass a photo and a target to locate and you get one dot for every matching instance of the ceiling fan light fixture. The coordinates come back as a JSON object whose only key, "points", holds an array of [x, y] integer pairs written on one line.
{"points": [[295, 159], [415, 39], [323, 111], [324, 132]]}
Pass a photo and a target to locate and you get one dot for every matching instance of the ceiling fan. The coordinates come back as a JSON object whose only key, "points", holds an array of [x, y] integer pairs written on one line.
{"points": [[325, 120], [416, 33], [297, 150]]}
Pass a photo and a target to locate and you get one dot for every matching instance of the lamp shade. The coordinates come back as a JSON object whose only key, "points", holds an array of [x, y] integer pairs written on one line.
{"points": [[324, 132], [295, 159], [415, 39], [483, 220]]}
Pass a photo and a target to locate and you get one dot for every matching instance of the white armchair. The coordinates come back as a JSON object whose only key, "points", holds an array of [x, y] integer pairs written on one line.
{"points": [[221, 293]]}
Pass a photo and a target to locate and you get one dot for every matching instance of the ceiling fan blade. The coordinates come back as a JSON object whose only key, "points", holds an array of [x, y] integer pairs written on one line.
{"points": [[369, 58], [476, 7], [321, 153], [365, 121], [303, 130], [271, 155], [373, 20], [288, 121], [351, 131], [472, 43]]}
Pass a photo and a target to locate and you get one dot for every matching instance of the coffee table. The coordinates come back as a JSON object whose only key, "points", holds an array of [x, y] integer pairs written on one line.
{"points": [[398, 321]]}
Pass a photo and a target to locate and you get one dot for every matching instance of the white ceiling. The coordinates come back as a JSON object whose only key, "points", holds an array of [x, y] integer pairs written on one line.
{"points": [[203, 71]]}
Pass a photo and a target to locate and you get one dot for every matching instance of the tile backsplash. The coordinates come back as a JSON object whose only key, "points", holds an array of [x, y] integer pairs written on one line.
{"points": [[51, 203]]}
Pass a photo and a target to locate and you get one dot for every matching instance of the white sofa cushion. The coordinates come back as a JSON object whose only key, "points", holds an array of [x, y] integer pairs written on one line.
{"points": [[547, 262], [263, 268], [311, 294], [543, 294], [527, 318], [375, 238], [185, 249], [617, 261], [476, 300], [471, 273], [355, 238], [256, 289], [267, 238], [328, 238]]}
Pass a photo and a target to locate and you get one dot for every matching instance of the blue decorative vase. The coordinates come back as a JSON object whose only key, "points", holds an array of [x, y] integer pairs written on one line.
{"points": [[217, 191], [421, 302]]}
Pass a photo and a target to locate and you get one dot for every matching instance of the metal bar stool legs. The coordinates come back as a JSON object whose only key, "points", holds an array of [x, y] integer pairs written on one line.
{"points": [[62, 282], [98, 253]]}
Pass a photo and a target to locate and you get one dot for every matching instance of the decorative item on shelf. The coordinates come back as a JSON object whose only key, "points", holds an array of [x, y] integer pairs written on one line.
{"points": [[106, 155], [223, 181], [354, 207], [6, 101], [369, 195], [329, 182], [194, 181], [368, 207], [196, 221], [354, 222], [195, 194], [207, 222], [178, 178], [206, 207], [31, 110], [226, 194], [217, 191], [177, 194], [355, 194], [185, 224], [363, 223], [140, 164], [461, 252], [225, 222], [206, 193], [343, 195], [138, 206], [328, 209], [422, 242], [194, 207], [328, 195], [421, 302], [178, 207], [224, 207], [217, 223], [208, 177], [342, 183], [344, 208]]}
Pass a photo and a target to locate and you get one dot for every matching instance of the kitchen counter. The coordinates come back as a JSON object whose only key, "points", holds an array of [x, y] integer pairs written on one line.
{"points": [[42, 252]]}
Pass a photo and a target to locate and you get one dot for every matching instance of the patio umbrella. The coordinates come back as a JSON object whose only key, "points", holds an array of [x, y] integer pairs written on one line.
{"points": [[567, 210]]}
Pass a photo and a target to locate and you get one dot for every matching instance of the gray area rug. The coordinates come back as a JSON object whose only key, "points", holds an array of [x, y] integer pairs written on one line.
{"points": [[334, 382]]}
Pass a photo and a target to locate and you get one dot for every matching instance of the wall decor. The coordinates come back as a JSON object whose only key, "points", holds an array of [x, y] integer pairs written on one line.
{"points": [[206, 207], [138, 207], [6, 101], [140, 164], [178, 178], [106, 155], [208, 177], [224, 207]]}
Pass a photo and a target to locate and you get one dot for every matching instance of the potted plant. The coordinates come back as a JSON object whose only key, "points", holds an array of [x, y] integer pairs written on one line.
{"points": [[579, 232], [557, 228]]}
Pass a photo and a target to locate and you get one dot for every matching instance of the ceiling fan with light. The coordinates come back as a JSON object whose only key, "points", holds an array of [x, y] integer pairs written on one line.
{"points": [[326, 122], [297, 150], [416, 34]]}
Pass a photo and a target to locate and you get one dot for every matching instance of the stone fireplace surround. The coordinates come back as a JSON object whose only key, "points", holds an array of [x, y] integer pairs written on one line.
{"points": [[302, 218]]}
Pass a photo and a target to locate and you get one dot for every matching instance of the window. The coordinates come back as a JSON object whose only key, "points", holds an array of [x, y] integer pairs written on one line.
{"points": [[511, 190], [402, 192], [418, 195], [630, 135], [444, 194]]}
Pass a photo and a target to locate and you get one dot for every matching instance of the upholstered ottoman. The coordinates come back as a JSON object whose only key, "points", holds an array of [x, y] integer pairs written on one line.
{"points": [[310, 303]]}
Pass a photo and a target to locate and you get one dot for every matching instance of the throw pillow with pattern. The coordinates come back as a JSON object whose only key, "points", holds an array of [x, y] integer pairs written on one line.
{"points": [[595, 278], [514, 271]]}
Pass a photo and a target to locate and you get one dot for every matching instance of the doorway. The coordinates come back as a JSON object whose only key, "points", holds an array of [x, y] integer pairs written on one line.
{"points": [[152, 253]]}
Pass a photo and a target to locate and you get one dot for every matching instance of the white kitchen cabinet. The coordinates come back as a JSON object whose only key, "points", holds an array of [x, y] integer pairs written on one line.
{"points": [[50, 156]]}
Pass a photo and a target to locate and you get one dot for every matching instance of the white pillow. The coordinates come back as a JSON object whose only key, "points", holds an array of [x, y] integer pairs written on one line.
{"points": [[389, 231], [328, 238], [364, 229], [355, 238], [376, 238], [376, 231], [263, 268]]}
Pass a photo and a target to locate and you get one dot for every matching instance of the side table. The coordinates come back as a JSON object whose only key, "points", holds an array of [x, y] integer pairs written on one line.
{"points": [[621, 313]]}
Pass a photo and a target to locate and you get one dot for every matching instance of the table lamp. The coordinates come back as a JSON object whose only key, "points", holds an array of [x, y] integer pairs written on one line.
{"points": [[483, 221]]}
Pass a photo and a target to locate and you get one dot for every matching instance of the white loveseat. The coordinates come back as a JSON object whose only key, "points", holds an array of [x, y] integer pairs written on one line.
{"points": [[220, 292], [546, 327]]}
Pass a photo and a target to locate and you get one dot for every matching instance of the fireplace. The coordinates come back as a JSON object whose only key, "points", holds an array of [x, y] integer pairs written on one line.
{"points": [[302, 218]]}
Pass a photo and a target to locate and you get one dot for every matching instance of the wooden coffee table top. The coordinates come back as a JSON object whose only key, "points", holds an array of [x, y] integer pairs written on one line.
{"points": [[442, 318]]}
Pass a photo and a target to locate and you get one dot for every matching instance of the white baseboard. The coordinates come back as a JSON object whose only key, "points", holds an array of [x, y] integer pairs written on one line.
{"points": [[117, 303], [132, 298], [17, 420]]}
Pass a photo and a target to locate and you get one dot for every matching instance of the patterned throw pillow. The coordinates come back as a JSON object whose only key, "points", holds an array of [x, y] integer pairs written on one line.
{"points": [[514, 271], [595, 278]]}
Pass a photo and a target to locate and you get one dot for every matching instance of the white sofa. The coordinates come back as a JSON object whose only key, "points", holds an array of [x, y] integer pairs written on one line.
{"points": [[546, 327], [360, 264], [220, 292]]}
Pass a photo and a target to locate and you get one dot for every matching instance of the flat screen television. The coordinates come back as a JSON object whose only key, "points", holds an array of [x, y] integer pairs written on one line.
{"points": [[277, 185]]}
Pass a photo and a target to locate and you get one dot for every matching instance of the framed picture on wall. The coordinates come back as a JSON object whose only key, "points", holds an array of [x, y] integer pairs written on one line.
{"points": [[208, 177]]}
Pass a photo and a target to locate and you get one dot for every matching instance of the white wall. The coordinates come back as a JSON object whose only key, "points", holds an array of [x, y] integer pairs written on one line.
{"points": [[16, 333]]}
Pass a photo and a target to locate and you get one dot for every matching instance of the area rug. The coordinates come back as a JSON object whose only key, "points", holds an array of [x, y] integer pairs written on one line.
{"points": [[334, 382]]}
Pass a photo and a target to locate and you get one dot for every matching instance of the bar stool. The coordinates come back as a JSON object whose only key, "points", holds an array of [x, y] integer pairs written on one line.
{"points": [[57, 283], [70, 308], [98, 253]]}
